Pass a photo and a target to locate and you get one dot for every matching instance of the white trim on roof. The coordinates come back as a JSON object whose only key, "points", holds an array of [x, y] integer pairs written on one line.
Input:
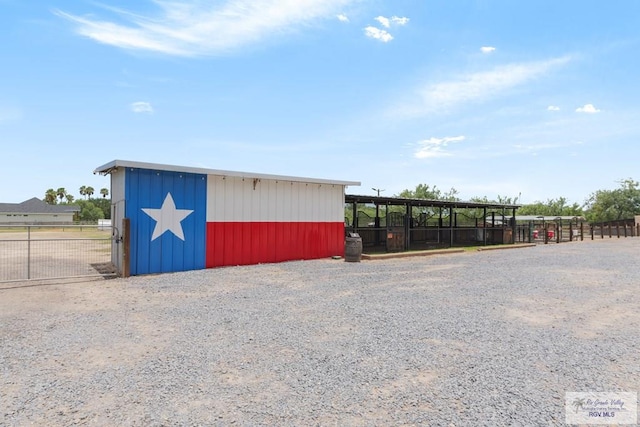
{"points": [[109, 167]]}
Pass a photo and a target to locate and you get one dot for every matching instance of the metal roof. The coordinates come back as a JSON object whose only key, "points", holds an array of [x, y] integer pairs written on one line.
{"points": [[379, 200], [548, 217], [115, 164], [35, 205]]}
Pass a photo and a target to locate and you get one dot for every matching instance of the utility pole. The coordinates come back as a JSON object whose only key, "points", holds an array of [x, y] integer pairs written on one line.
{"points": [[377, 215], [377, 220]]}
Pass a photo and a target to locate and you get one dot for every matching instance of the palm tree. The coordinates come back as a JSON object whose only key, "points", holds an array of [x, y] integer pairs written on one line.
{"points": [[69, 198], [104, 192], [61, 192], [89, 192], [83, 190], [51, 197]]}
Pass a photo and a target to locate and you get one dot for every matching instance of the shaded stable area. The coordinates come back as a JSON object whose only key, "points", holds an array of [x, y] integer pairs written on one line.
{"points": [[391, 224]]}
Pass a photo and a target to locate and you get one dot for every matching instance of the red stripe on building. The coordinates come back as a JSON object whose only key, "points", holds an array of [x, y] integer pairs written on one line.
{"points": [[244, 243]]}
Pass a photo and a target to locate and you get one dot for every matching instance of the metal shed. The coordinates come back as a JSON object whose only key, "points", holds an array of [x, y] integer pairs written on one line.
{"points": [[172, 218]]}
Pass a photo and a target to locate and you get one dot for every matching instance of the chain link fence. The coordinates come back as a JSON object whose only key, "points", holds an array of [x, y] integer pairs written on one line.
{"points": [[36, 252]]}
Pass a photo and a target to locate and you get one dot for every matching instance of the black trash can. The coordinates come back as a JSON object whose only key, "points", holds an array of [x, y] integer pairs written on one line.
{"points": [[353, 248]]}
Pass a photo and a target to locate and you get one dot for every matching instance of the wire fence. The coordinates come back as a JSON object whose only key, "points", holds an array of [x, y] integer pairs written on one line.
{"points": [[36, 252]]}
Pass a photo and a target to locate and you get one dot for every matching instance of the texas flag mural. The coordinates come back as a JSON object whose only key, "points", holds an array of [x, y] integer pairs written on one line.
{"points": [[188, 221], [167, 211]]}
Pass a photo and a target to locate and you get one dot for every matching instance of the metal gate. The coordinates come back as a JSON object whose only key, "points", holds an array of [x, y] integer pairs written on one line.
{"points": [[39, 252]]}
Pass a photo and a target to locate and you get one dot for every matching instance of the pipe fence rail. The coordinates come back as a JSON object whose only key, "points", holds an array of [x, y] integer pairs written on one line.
{"points": [[614, 229], [39, 252]]}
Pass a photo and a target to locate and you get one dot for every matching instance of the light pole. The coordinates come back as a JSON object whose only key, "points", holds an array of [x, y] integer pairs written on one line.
{"points": [[377, 220]]}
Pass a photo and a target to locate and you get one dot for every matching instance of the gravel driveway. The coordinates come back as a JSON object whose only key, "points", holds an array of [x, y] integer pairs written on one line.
{"points": [[480, 338]]}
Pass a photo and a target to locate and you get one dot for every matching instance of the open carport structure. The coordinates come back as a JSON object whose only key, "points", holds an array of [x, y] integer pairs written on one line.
{"points": [[392, 224]]}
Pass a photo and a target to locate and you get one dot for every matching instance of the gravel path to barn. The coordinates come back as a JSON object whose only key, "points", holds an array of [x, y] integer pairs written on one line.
{"points": [[490, 338]]}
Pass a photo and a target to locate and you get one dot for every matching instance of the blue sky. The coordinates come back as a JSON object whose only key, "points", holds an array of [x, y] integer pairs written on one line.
{"points": [[493, 98]]}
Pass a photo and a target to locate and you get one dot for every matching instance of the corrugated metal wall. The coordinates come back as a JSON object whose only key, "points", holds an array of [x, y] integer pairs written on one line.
{"points": [[248, 200], [253, 221], [217, 221], [148, 189]]}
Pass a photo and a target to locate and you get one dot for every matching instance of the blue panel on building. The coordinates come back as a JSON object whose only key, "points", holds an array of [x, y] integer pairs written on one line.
{"points": [[167, 211]]}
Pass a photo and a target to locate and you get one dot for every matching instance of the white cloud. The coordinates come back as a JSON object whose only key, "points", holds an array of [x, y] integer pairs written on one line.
{"points": [[587, 108], [477, 87], [434, 147], [399, 20], [194, 27], [487, 49], [386, 22], [343, 18], [383, 21], [141, 107], [378, 34], [553, 108]]}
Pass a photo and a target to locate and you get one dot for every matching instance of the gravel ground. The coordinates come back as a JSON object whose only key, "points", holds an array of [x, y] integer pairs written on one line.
{"points": [[492, 338]]}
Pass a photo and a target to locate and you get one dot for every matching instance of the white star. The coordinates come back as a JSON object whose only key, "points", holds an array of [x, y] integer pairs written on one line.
{"points": [[168, 218]]}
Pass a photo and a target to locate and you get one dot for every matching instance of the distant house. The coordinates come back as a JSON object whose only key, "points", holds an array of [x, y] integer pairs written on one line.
{"points": [[35, 211]]}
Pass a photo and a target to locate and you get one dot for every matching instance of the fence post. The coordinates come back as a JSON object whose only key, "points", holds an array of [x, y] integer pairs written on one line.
{"points": [[126, 246], [28, 252], [570, 231]]}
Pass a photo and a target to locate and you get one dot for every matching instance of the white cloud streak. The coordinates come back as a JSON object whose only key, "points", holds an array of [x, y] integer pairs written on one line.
{"points": [[378, 34], [474, 88], [435, 147], [141, 107], [399, 20], [196, 28], [553, 108], [487, 49], [383, 21], [342, 17], [588, 109]]}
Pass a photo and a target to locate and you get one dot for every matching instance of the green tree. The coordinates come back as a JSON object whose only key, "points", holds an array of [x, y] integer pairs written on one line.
{"points": [[51, 197], [69, 198], [61, 193], [89, 212], [610, 205], [424, 191], [89, 191], [104, 192], [552, 207], [104, 205]]}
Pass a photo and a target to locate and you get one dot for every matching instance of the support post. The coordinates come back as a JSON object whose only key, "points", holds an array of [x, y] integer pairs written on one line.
{"points": [[126, 247]]}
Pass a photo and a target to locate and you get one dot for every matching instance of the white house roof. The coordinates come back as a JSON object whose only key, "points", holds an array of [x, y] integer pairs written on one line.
{"points": [[115, 164]]}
